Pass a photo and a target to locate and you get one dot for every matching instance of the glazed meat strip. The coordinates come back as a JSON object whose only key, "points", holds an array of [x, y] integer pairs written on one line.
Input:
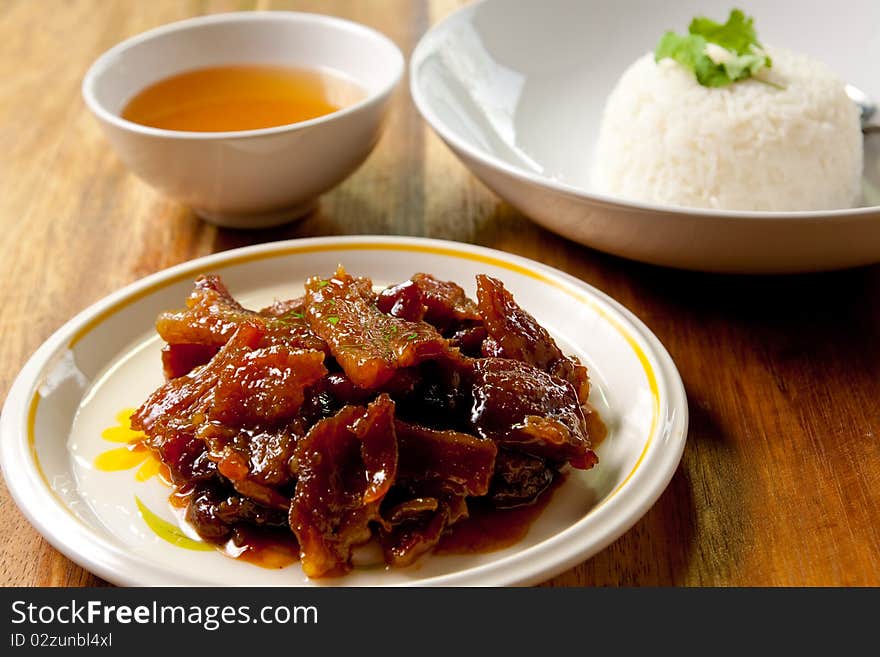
{"points": [[442, 304], [259, 454], [212, 315], [170, 416], [214, 511], [438, 471], [255, 460], [444, 462], [515, 334], [518, 479], [180, 402], [286, 308], [180, 359], [343, 464], [523, 408], [266, 385], [446, 304], [412, 528], [238, 408], [210, 318], [379, 448], [368, 344], [249, 380]]}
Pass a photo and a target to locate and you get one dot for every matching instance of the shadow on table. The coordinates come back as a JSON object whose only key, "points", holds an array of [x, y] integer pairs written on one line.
{"points": [[821, 325], [661, 548], [823, 299], [346, 213], [341, 214]]}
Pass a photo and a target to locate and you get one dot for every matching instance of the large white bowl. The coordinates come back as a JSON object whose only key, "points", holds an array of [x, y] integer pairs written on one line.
{"points": [[247, 178], [517, 88]]}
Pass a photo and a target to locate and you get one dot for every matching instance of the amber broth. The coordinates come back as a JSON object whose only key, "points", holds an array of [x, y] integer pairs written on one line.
{"points": [[241, 97]]}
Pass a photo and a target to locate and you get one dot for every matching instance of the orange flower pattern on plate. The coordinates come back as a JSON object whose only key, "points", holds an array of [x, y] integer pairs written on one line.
{"points": [[133, 454]]}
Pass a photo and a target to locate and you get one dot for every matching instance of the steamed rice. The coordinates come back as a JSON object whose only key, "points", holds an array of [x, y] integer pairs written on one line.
{"points": [[748, 146]]}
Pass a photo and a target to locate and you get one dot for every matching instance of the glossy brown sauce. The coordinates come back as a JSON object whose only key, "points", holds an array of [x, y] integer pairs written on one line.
{"points": [[596, 428], [487, 529], [226, 98], [267, 548]]}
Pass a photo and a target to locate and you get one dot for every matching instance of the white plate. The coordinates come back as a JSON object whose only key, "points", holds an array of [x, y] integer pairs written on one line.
{"points": [[107, 359], [516, 88]]}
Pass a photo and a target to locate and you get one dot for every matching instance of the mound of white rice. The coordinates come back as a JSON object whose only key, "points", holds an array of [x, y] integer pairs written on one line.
{"points": [[748, 146]]}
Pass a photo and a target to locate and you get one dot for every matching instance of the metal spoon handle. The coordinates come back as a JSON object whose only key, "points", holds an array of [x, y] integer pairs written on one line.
{"points": [[867, 108]]}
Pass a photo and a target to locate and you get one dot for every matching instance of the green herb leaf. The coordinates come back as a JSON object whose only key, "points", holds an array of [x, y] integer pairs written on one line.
{"points": [[323, 283], [737, 36], [744, 66], [289, 316], [332, 319], [689, 51], [412, 336]]}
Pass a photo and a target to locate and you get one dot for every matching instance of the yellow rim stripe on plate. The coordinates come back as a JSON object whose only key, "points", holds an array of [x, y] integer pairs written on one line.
{"points": [[367, 246]]}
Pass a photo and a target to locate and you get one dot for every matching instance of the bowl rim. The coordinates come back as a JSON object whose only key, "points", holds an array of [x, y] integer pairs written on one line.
{"points": [[104, 62], [427, 46]]}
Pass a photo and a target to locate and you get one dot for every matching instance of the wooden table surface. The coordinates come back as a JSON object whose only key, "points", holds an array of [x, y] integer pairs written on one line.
{"points": [[780, 480]]}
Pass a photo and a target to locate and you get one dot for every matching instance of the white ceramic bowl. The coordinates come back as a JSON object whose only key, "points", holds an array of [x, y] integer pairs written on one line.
{"points": [[517, 88], [249, 178]]}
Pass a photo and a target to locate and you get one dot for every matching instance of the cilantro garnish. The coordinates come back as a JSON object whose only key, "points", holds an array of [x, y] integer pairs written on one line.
{"points": [[289, 316], [332, 319], [412, 336], [737, 36], [388, 332]]}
